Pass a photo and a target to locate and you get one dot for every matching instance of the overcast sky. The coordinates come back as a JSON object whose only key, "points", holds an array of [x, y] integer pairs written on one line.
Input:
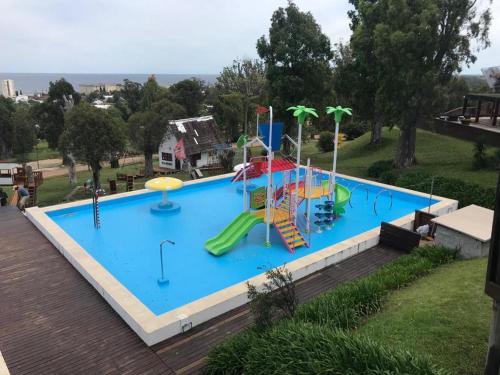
{"points": [[157, 36]]}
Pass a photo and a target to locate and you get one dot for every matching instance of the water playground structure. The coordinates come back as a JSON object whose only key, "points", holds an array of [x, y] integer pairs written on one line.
{"points": [[279, 206], [150, 264]]}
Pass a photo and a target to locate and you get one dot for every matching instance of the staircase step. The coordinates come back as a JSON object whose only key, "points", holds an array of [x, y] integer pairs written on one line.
{"points": [[298, 243]]}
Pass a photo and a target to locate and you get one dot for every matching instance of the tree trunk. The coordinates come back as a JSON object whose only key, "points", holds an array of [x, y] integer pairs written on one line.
{"points": [[96, 175], [245, 125], [70, 163], [148, 164], [405, 151], [376, 133]]}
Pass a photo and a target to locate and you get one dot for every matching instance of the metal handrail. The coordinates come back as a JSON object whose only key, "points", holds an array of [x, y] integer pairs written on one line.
{"points": [[352, 191], [376, 199]]}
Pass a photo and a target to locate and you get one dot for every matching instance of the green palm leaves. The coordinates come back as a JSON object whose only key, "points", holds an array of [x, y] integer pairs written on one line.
{"points": [[339, 112], [301, 112]]}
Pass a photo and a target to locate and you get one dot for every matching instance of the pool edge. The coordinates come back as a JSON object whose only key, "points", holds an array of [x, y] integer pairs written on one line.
{"points": [[153, 328]]}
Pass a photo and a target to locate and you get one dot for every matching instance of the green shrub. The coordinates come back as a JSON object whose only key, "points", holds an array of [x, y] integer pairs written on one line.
{"points": [[326, 141], [345, 306], [438, 255], [379, 167], [310, 341], [301, 348], [466, 193], [480, 159], [229, 357], [354, 130], [389, 177], [276, 299]]}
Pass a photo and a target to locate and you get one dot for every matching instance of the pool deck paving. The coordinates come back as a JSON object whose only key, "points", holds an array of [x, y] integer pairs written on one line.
{"points": [[53, 322]]}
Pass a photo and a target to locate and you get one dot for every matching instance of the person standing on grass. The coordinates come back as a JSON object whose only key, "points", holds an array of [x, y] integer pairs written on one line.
{"points": [[23, 195]]}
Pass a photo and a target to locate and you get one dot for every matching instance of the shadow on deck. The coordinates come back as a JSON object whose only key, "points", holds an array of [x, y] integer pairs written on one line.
{"points": [[53, 322]]}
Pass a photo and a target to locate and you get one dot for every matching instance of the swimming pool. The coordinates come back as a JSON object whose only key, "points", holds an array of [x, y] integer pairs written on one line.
{"points": [[127, 244]]}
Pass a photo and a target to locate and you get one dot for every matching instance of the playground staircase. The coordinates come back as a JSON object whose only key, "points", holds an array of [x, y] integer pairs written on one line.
{"points": [[290, 235]]}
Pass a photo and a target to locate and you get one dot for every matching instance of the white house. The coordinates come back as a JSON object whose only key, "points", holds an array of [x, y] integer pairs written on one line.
{"points": [[202, 142]]}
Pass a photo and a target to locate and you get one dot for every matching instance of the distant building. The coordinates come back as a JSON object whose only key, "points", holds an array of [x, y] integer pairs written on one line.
{"points": [[22, 99], [8, 89], [101, 87], [112, 87], [202, 142]]}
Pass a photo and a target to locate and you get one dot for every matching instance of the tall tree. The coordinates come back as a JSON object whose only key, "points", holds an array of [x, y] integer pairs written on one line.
{"points": [[92, 135], [355, 78], [418, 46], [247, 79], [146, 130], [228, 110], [24, 132], [190, 93], [6, 127], [148, 126], [128, 99], [297, 56], [50, 114]]}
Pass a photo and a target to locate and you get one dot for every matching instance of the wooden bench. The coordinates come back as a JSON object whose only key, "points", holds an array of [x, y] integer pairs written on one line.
{"points": [[398, 238]]}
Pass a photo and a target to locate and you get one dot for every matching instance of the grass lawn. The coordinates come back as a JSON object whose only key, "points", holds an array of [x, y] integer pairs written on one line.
{"points": [[55, 190], [445, 316], [436, 154]]}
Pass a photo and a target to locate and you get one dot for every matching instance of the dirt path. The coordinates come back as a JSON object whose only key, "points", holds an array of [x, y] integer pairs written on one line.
{"points": [[54, 167]]}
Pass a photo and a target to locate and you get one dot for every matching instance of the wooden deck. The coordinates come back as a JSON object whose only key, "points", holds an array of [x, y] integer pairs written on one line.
{"points": [[53, 322], [480, 131]]}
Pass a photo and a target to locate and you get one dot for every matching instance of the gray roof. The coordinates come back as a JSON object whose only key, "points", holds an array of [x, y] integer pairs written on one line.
{"points": [[199, 133]]}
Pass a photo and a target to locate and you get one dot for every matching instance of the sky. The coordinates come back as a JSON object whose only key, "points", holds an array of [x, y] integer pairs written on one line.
{"points": [[158, 36]]}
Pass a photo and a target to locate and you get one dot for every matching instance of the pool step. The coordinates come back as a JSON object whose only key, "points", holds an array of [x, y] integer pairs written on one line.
{"points": [[290, 235]]}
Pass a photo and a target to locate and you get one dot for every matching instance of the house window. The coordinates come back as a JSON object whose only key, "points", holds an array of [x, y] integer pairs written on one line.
{"points": [[166, 156]]}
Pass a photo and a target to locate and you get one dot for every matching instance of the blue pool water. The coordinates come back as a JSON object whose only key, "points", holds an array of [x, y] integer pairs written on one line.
{"points": [[127, 244]]}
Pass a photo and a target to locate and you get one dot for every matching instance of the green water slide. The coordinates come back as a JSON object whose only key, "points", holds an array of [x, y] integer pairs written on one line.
{"points": [[232, 234], [342, 195]]}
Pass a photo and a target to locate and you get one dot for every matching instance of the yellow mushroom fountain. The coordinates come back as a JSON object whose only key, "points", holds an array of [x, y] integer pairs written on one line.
{"points": [[164, 184]]}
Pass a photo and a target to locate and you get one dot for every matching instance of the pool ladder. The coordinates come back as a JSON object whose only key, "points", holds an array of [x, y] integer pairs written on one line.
{"points": [[95, 208], [376, 200], [352, 191]]}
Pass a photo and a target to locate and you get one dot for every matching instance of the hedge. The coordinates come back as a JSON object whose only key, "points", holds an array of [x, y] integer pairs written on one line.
{"points": [[302, 348], [312, 343], [345, 306], [466, 193], [379, 167]]}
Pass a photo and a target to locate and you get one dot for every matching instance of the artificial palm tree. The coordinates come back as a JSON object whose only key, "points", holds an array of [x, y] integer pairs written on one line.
{"points": [[338, 112], [301, 112]]}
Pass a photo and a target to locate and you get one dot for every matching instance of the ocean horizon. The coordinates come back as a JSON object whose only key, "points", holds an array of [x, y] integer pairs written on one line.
{"points": [[30, 83]]}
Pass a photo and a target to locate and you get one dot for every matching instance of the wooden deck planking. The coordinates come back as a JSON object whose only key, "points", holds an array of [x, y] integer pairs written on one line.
{"points": [[53, 321]]}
